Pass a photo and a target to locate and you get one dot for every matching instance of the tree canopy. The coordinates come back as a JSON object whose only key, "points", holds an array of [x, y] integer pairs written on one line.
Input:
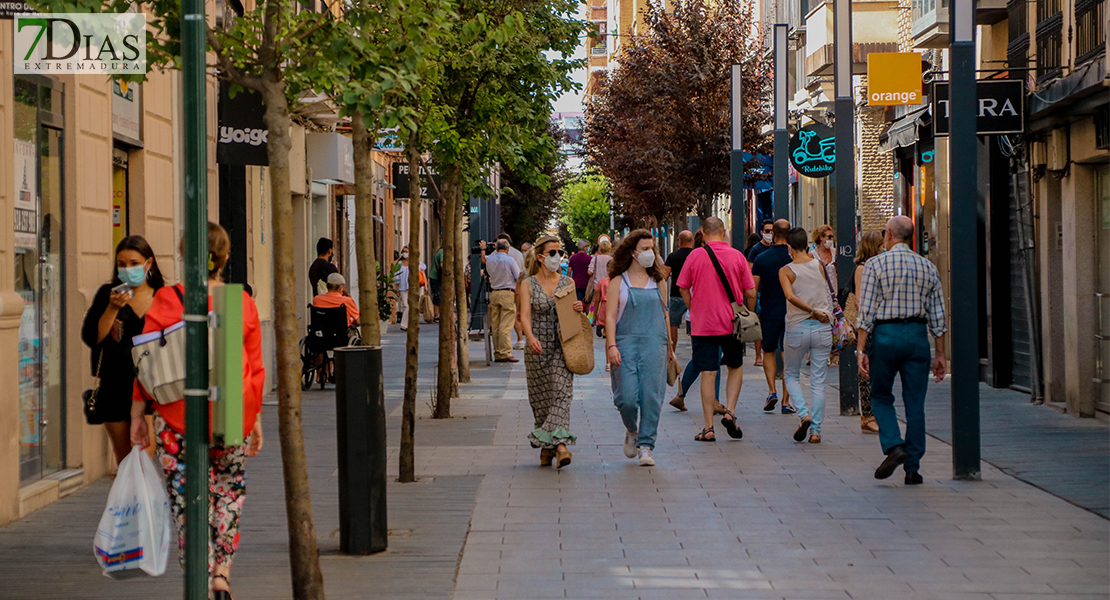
{"points": [[584, 208]]}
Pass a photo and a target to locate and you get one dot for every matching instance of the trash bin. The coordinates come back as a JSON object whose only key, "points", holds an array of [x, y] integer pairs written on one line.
{"points": [[360, 429]]}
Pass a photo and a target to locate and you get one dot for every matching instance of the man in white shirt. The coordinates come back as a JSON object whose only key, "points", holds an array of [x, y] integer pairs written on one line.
{"points": [[504, 273]]}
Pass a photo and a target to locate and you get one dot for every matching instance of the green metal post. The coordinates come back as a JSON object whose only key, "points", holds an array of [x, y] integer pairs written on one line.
{"points": [[193, 45]]}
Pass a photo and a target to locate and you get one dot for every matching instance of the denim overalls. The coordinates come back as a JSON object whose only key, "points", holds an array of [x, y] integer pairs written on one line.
{"points": [[641, 381]]}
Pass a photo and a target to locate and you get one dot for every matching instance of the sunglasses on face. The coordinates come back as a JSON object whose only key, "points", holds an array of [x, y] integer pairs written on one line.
{"points": [[554, 252], [767, 231]]}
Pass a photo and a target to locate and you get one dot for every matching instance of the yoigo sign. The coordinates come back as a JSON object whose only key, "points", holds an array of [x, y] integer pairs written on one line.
{"points": [[80, 44], [813, 150]]}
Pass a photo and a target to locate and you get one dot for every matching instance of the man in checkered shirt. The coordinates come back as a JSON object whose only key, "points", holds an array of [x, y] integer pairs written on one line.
{"points": [[900, 305]]}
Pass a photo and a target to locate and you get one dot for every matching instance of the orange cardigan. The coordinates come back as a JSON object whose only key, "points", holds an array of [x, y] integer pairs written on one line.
{"points": [[165, 310]]}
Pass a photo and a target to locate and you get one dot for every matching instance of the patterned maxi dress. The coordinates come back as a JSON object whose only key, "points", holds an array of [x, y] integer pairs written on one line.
{"points": [[550, 383]]}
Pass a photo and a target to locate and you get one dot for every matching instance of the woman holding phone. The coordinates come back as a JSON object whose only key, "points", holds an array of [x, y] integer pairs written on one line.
{"points": [[117, 315]]}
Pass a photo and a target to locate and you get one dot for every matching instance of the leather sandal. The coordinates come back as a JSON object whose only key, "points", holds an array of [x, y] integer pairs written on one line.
{"points": [[222, 594], [731, 428], [545, 457], [704, 435], [869, 425]]}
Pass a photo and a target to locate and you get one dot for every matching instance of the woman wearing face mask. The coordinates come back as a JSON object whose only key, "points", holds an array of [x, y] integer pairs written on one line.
{"points": [[823, 248], [116, 315], [550, 383], [808, 308], [636, 342]]}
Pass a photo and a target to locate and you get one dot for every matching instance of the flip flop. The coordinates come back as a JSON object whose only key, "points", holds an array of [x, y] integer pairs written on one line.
{"points": [[729, 423]]}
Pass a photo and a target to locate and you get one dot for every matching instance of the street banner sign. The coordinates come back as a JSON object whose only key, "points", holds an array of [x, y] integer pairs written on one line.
{"points": [[429, 190], [894, 78], [1001, 107], [242, 135], [813, 150]]}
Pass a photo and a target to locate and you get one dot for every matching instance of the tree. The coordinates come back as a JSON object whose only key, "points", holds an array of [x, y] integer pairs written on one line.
{"points": [[584, 207], [527, 208], [660, 125], [495, 91]]}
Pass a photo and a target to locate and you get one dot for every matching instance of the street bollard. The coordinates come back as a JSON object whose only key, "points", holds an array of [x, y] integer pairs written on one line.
{"points": [[360, 426]]}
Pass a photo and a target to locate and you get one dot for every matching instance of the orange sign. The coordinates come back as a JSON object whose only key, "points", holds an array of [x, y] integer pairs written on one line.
{"points": [[894, 78]]}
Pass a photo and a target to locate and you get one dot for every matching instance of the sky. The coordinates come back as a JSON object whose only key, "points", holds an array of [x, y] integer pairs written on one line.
{"points": [[572, 101]]}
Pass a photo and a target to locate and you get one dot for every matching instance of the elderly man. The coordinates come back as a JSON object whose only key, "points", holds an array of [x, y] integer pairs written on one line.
{"points": [[900, 305], [503, 274], [337, 296]]}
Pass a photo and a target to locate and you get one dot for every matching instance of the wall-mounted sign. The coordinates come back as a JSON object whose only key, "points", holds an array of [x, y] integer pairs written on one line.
{"points": [[389, 141], [126, 116], [894, 78], [813, 150], [429, 190], [1001, 105], [242, 135]]}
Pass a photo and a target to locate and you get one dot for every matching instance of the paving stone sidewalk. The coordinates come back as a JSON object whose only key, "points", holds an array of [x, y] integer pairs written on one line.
{"points": [[763, 517]]}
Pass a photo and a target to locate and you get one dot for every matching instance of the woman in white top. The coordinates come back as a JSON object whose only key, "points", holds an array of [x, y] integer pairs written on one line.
{"points": [[808, 307], [599, 264]]}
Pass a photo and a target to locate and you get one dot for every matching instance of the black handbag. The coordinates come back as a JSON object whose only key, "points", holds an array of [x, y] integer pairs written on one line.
{"points": [[89, 397]]}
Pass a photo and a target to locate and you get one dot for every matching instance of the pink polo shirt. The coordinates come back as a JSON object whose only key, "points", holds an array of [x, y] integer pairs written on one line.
{"points": [[710, 310]]}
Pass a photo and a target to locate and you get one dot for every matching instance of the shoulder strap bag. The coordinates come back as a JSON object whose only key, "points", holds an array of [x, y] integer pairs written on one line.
{"points": [[89, 397], [160, 360], [843, 334], [745, 323]]}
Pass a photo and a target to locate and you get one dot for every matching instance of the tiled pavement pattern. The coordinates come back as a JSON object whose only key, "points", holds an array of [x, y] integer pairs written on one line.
{"points": [[758, 518]]}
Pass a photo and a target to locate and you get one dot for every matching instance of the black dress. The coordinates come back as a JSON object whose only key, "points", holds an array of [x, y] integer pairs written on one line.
{"points": [[117, 371]]}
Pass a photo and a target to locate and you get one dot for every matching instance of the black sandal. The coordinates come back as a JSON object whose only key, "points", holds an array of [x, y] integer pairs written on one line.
{"points": [[729, 423], [704, 435], [222, 594]]}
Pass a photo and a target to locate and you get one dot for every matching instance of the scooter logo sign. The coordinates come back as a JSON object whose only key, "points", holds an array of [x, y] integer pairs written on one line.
{"points": [[813, 150]]}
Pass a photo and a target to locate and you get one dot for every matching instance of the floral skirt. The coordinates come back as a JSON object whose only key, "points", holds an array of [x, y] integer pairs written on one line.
{"points": [[226, 492]]}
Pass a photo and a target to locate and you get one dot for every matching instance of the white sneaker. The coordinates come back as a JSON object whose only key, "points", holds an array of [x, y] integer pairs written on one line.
{"points": [[646, 459], [630, 438], [519, 345]]}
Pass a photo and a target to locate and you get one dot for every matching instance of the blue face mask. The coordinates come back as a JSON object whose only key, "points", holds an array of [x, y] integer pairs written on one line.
{"points": [[132, 276]]}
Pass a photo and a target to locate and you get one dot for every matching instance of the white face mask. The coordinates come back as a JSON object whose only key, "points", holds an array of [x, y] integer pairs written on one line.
{"points": [[767, 238], [552, 263], [646, 258], [830, 244]]}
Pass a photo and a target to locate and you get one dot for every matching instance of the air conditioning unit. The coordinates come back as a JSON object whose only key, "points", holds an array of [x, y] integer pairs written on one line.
{"points": [[1057, 150]]}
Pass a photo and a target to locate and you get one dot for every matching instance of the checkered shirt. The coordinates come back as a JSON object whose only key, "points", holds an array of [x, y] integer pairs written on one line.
{"points": [[900, 284]]}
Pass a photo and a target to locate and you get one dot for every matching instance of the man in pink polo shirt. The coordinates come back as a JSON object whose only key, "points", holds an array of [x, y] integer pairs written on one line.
{"points": [[711, 320]]}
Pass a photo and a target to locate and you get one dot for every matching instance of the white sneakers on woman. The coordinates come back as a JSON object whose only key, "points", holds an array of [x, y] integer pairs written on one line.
{"points": [[646, 460], [630, 438]]}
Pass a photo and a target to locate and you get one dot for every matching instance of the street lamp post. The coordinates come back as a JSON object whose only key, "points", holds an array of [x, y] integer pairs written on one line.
{"points": [[965, 218], [781, 138], [736, 161], [845, 173], [193, 46]]}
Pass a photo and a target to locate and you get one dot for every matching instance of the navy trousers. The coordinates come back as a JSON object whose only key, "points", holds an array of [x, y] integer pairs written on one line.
{"points": [[900, 349]]}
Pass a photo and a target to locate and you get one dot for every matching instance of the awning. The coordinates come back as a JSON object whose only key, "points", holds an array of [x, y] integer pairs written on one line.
{"points": [[903, 132]]}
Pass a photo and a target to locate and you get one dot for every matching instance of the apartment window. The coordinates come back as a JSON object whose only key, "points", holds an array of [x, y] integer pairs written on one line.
{"points": [[1050, 38], [1090, 29], [1017, 51]]}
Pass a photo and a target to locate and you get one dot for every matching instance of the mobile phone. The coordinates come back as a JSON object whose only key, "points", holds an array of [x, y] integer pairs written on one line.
{"points": [[121, 288]]}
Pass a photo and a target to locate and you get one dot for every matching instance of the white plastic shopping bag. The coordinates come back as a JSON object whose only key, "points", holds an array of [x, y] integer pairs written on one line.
{"points": [[134, 533]]}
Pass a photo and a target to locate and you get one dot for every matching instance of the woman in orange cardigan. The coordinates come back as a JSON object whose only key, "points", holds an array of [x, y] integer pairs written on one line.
{"points": [[226, 486]]}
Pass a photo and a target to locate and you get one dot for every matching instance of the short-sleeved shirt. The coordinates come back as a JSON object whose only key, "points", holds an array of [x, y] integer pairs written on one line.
{"points": [[334, 300], [319, 271], [756, 250], [517, 256], [674, 263], [710, 310], [580, 269], [772, 300], [437, 264], [503, 271]]}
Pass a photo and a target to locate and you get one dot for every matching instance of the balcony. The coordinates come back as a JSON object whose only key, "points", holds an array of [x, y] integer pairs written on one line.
{"points": [[930, 23], [598, 50]]}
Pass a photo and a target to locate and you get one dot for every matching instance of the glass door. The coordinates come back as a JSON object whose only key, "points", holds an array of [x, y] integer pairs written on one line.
{"points": [[1102, 197], [38, 277]]}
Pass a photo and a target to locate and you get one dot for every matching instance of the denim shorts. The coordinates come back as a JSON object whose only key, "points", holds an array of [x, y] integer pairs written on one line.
{"points": [[677, 309]]}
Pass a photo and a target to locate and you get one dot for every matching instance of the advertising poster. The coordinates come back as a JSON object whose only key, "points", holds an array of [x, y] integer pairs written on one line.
{"points": [[26, 195]]}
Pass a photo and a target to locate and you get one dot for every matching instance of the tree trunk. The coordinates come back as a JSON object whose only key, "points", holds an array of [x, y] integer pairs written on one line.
{"points": [[463, 254], [371, 329], [407, 459], [304, 554], [445, 375]]}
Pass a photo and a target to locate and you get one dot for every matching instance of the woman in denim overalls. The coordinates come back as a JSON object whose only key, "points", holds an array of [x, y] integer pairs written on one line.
{"points": [[636, 341]]}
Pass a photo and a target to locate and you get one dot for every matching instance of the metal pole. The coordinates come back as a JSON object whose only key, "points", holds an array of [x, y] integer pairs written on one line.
{"points": [[965, 217], [193, 46], [781, 141], [736, 161], [845, 107]]}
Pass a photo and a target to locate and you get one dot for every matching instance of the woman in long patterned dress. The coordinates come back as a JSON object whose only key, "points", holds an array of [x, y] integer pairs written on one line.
{"points": [[550, 383]]}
